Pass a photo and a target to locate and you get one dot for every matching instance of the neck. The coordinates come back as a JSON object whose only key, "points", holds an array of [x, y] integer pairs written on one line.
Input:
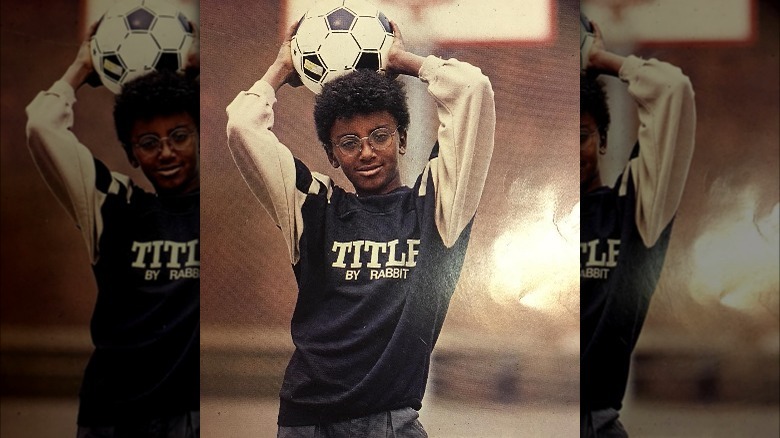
{"points": [[178, 193], [590, 184]]}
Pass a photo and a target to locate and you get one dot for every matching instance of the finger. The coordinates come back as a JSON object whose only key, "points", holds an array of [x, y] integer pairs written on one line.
{"points": [[596, 29], [92, 29], [195, 30], [396, 29], [92, 79], [291, 30], [195, 46], [192, 62]]}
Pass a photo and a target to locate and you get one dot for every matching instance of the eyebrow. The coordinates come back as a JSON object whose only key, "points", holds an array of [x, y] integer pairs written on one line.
{"points": [[179, 126], [383, 125]]}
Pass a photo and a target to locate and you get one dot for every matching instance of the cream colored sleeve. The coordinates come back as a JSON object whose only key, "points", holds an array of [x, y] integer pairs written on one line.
{"points": [[467, 119], [66, 165], [266, 165], [667, 128]]}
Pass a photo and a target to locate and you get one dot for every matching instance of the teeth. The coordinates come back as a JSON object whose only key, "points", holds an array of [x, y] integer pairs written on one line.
{"points": [[168, 172]]}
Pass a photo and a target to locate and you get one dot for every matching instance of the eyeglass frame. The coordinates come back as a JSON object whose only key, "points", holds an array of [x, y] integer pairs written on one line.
{"points": [[586, 135], [367, 138], [178, 147]]}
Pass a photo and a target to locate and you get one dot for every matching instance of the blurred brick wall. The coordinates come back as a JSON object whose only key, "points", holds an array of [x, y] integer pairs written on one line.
{"points": [[46, 283]]}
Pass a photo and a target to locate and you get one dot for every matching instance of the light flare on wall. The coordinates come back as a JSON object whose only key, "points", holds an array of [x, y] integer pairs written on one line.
{"points": [[536, 260], [735, 261]]}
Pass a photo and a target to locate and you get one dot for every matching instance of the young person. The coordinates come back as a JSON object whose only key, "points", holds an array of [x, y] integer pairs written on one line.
{"points": [[625, 228], [376, 268], [143, 376]]}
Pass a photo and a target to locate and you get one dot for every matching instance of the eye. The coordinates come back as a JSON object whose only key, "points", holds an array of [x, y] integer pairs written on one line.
{"points": [[349, 144], [180, 136], [584, 136], [149, 143], [380, 137]]}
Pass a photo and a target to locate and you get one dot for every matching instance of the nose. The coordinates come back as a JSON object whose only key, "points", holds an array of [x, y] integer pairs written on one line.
{"points": [[366, 150], [166, 149]]}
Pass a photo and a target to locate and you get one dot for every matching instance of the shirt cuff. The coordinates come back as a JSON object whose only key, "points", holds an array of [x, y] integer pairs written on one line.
{"points": [[630, 68], [262, 88], [63, 90], [429, 67]]}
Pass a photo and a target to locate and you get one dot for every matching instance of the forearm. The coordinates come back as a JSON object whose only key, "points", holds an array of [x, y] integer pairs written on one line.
{"points": [[76, 75], [407, 63], [466, 111], [276, 76], [667, 119], [81, 68], [607, 63]]}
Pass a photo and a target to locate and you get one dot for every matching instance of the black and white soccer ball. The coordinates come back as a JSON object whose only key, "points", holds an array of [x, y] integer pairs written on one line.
{"points": [[335, 37], [135, 37]]}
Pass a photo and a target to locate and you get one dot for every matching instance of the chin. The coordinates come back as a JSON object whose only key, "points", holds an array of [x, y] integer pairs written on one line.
{"points": [[172, 188]]}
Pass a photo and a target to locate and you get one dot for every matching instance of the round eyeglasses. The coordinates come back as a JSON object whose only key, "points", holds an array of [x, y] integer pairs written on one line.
{"points": [[178, 140], [585, 135], [378, 139]]}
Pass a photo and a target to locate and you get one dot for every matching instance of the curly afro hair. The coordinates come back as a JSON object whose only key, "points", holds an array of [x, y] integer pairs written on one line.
{"points": [[153, 95], [359, 92], [593, 101]]}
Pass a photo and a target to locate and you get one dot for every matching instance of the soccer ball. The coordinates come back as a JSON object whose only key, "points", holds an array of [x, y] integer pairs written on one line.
{"points": [[586, 40], [137, 36], [335, 37]]}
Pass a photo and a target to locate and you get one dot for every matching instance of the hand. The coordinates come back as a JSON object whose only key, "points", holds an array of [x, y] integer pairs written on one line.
{"points": [[282, 71], [82, 70], [601, 60], [192, 61], [399, 60], [596, 48]]}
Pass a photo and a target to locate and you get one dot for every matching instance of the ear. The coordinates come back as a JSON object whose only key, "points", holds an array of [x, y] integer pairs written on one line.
{"points": [[332, 157], [603, 143], [402, 142]]}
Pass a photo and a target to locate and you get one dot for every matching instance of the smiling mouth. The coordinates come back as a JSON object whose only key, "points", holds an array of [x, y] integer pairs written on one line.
{"points": [[369, 171], [169, 171]]}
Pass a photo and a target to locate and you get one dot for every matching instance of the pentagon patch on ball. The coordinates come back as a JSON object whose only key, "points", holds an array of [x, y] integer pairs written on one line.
{"points": [[137, 36], [335, 37]]}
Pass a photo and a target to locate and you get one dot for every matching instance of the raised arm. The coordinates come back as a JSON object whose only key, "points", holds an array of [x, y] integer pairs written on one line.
{"points": [[467, 119], [66, 165], [667, 129], [266, 164]]}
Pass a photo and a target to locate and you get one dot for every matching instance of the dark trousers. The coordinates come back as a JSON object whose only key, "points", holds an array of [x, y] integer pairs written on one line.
{"points": [[401, 423], [601, 424], [180, 426]]}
